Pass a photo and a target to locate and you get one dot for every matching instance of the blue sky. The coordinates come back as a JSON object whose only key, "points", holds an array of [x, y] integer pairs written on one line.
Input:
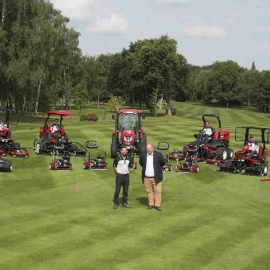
{"points": [[205, 30]]}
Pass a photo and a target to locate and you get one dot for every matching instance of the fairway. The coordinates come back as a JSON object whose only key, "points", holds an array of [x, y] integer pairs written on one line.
{"points": [[64, 220]]}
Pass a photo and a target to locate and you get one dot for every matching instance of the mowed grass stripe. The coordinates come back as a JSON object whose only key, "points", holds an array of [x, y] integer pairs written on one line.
{"points": [[81, 244], [62, 231]]}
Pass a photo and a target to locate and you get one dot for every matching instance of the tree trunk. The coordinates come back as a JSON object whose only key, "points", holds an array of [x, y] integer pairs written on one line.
{"points": [[3, 12], [37, 99], [169, 111], [98, 98]]}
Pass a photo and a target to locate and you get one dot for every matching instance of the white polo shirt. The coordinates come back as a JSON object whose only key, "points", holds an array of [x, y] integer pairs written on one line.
{"points": [[149, 171]]}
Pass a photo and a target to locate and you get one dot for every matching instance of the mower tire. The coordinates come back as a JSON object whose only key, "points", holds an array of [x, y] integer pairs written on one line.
{"points": [[5, 166], [142, 146], [264, 169], [113, 147], [222, 153], [229, 153]]}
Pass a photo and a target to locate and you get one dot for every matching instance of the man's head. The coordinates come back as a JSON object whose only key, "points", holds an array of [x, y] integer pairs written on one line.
{"points": [[207, 124], [149, 148], [251, 138], [56, 121], [123, 151]]}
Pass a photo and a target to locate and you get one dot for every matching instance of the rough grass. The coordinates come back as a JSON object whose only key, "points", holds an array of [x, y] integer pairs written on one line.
{"points": [[65, 220]]}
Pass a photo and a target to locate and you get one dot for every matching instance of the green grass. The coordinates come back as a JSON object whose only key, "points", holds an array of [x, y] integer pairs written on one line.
{"points": [[64, 220]]}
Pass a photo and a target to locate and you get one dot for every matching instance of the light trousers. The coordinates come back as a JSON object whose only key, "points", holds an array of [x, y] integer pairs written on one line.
{"points": [[153, 191]]}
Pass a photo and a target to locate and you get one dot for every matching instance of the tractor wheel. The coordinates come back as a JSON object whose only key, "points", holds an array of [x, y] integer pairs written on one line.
{"points": [[113, 147], [264, 170], [142, 146], [74, 149], [197, 169], [37, 148], [230, 153], [222, 153], [9, 134], [5, 166], [50, 166], [16, 145]]}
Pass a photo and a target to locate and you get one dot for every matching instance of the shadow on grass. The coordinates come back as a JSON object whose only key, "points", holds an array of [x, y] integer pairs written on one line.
{"points": [[143, 201]]}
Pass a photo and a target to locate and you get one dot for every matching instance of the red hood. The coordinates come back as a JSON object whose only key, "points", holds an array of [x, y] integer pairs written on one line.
{"points": [[128, 137]]}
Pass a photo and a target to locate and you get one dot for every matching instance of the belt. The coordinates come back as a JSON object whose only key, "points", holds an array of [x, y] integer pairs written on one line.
{"points": [[149, 176]]}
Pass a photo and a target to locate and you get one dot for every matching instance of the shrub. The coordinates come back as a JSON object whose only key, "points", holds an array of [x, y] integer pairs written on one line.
{"points": [[89, 117]]}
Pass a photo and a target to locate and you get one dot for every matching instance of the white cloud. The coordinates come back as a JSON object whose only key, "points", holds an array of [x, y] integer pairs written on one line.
{"points": [[263, 29], [205, 32], [228, 21], [115, 24], [76, 10], [174, 1]]}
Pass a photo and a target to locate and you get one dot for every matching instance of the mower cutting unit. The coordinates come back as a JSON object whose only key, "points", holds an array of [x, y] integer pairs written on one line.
{"points": [[7, 145], [98, 163], [165, 147], [128, 132], [244, 161], [56, 143], [63, 164], [216, 150], [5, 165], [189, 163]]}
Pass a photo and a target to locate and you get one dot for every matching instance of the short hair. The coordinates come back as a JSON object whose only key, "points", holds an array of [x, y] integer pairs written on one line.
{"points": [[122, 147]]}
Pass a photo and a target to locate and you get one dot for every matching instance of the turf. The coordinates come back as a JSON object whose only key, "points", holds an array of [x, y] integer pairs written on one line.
{"points": [[65, 220]]}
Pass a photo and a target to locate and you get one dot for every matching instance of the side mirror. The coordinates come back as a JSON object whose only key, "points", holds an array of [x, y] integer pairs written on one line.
{"points": [[113, 117]]}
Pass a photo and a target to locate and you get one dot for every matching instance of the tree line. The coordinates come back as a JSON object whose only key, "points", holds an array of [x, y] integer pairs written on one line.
{"points": [[42, 66]]}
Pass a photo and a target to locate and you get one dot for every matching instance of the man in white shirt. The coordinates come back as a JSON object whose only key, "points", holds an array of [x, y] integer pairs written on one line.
{"points": [[121, 165], [253, 147], [152, 176], [55, 126]]}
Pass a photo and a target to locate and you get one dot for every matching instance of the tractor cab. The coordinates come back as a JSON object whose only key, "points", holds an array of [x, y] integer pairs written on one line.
{"points": [[261, 138], [52, 136], [54, 119], [252, 158], [128, 131]]}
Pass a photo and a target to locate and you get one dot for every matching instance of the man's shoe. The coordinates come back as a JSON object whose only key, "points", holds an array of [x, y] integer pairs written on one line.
{"points": [[126, 205], [115, 205], [158, 208], [151, 207]]}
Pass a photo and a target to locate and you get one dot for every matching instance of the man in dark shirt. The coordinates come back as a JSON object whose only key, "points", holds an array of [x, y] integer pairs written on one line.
{"points": [[121, 165]]}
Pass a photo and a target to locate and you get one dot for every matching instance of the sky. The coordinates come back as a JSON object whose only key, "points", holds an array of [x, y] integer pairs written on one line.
{"points": [[205, 30]]}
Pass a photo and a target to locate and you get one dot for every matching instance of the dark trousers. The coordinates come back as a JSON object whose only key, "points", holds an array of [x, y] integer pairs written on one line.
{"points": [[121, 180]]}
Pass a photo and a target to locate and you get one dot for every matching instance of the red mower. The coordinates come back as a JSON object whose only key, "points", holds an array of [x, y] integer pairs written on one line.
{"points": [[53, 138], [246, 161], [98, 163], [62, 164], [214, 151], [7, 145], [128, 132], [165, 147]]}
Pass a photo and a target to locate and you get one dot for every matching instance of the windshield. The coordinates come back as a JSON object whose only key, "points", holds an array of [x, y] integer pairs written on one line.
{"points": [[128, 121]]}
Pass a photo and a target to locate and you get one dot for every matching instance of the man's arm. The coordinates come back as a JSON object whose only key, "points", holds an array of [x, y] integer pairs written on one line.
{"points": [[162, 161], [141, 160], [115, 162]]}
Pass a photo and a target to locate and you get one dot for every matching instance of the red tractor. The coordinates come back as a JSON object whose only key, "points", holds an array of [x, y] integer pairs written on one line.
{"points": [[213, 152], [53, 139], [7, 145], [246, 161], [128, 132]]}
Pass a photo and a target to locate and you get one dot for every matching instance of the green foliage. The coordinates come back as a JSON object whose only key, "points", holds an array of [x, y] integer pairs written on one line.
{"points": [[89, 117], [115, 103]]}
